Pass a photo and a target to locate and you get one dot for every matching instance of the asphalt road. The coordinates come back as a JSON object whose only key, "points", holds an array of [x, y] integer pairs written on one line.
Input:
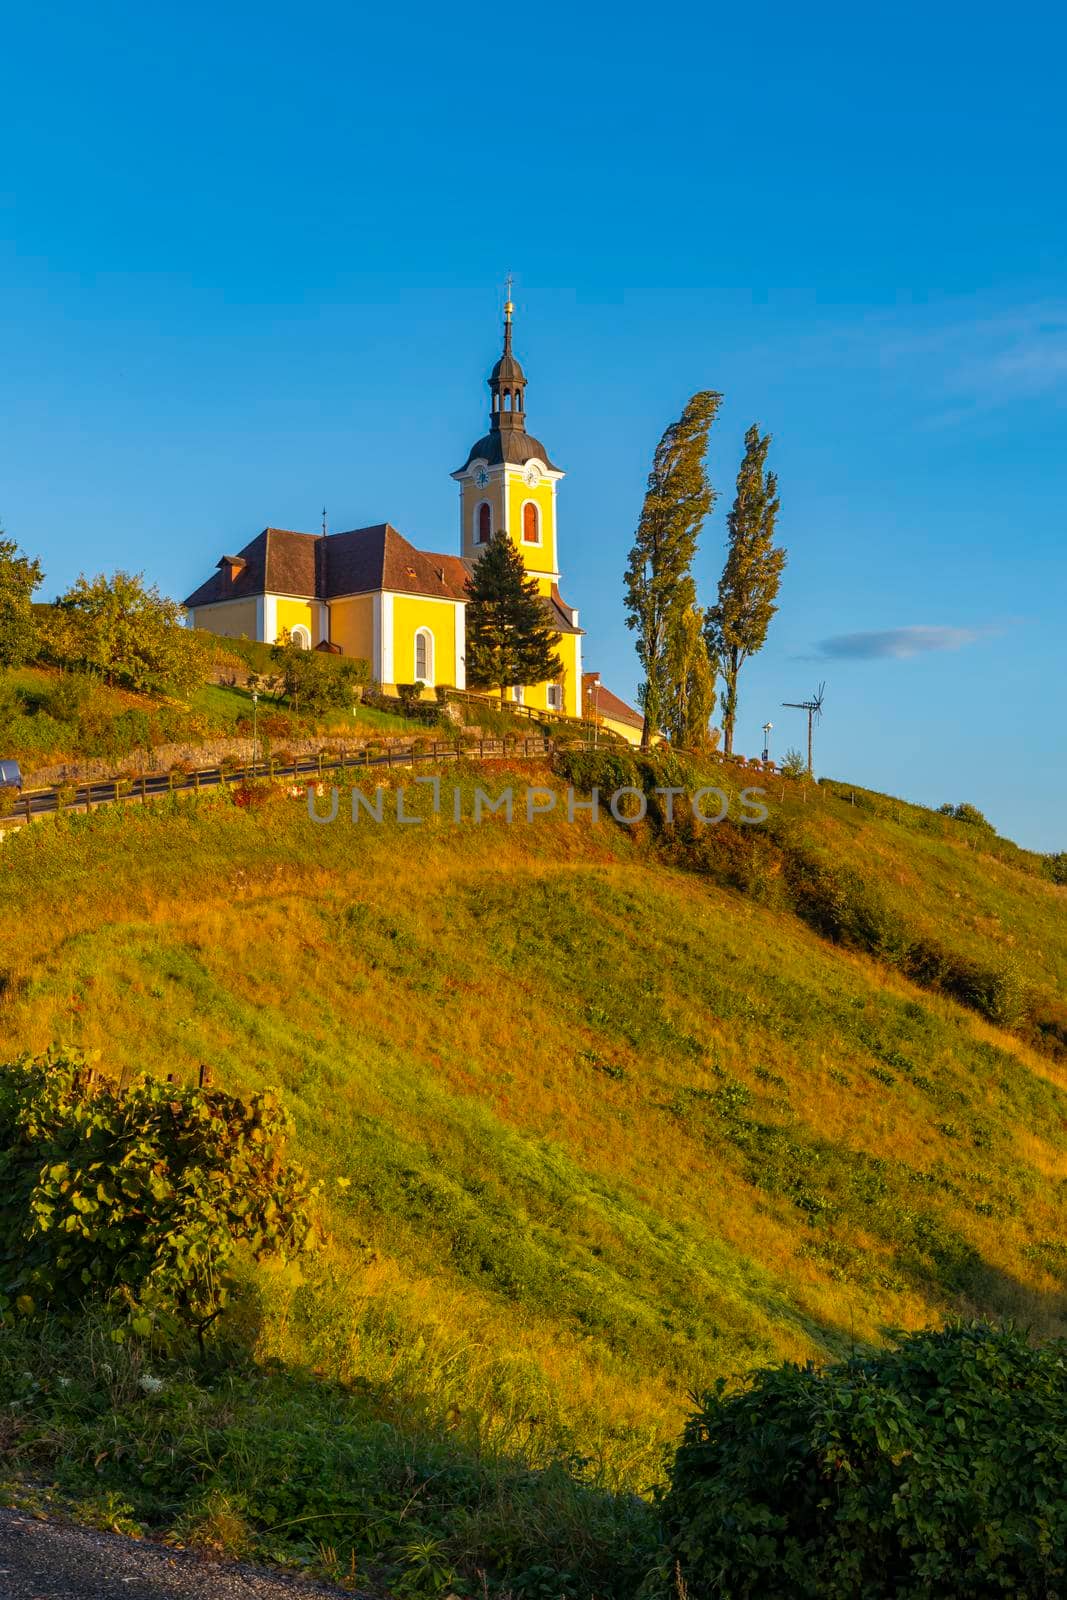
{"points": [[50, 1561]]}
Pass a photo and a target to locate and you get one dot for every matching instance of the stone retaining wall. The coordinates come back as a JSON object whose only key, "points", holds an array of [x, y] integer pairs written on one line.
{"points": [[208, 754]]}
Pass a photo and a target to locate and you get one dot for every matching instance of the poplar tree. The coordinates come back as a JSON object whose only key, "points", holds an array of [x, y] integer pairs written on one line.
{"points": [[659, 581], [510, 641], [690, 699], [736, 626]]}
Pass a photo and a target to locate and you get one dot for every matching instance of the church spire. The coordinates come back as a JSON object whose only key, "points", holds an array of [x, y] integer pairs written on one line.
{"points": [[507, 383]]}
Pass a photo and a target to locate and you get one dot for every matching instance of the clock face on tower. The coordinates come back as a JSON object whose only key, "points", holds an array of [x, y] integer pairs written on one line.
{"points": [[532, 475], [481, 477]]}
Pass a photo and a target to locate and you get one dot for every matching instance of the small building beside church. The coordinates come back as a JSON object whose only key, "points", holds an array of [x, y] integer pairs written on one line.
{"points": [[607, 710], [371, 593]]}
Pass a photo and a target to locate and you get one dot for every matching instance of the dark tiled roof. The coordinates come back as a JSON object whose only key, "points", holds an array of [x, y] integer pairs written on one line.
{"points": [[279, 561], [247, 582], [559, 616], [510, 445]]}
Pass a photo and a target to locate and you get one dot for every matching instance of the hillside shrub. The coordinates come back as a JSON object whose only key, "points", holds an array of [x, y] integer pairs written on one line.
{"points": [[410, 695], [932, 1469], [606, 770], [137, 1197], [1056, 866], [967, 813]]}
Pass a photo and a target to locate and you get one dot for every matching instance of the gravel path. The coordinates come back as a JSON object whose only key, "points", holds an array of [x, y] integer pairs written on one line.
{"points": [[51, 1561]]}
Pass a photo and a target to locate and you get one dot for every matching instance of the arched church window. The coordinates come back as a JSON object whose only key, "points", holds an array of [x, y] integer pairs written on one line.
{"points": [[300, 637], [531, 523], [485, 522], [424, 656]]}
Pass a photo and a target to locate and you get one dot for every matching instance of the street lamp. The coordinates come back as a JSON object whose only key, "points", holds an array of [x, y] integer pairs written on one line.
{"points": [[767, 726], [255, 728]]}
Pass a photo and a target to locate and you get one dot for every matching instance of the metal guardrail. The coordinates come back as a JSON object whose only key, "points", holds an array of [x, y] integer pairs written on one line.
{"points": [[108, 791]]}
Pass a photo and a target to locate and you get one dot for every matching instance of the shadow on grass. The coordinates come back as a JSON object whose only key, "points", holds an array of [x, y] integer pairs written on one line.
{"points": [[275, 1463]]}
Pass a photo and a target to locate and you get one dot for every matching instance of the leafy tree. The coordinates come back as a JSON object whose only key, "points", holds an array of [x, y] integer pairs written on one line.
{"points": [[658, 579], [1056, 866], [138, 1197], [312, 681], [510, 641], [689, 701], [737, 625], [127, 632], [964, 812], [19, 579], [933, 1469]]}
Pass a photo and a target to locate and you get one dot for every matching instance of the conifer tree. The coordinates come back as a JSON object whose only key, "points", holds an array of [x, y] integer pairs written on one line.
{"points": [[659, 581], [510, 640], [736, 626], [690, 698]]}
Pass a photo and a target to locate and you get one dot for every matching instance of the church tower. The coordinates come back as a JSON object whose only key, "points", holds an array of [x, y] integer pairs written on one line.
{"points": [[507, 480]]}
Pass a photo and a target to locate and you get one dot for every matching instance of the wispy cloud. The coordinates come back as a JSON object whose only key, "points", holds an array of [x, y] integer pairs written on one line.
{"points": [[977, 364], [896, 644], [951, 362]]}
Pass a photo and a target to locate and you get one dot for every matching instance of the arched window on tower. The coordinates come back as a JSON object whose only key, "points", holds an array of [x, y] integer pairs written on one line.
{"points": [[531, 524], [485, 523]]}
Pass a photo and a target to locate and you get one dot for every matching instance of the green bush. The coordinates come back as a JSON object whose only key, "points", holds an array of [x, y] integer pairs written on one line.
{"points": [[137, 1197], [9, 798], [966, 813], [606, 770], [935, 1469], [1056, 866], [410, 695]]}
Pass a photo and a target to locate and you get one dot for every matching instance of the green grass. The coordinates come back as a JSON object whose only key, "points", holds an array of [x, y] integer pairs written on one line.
{"points": [[602, 1115]]}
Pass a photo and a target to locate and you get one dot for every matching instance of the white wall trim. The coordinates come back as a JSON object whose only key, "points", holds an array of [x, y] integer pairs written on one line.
{"points": [[270, 618], [461, 648]]}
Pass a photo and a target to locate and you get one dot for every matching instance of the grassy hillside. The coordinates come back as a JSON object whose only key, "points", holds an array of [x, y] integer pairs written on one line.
{"points": [[605, 1113]]}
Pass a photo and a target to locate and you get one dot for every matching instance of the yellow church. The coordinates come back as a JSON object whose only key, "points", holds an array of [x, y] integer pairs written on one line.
{"points": [[371, 593]]}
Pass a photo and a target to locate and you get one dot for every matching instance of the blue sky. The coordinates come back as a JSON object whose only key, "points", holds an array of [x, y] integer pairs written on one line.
{"points": [[250, 263]]}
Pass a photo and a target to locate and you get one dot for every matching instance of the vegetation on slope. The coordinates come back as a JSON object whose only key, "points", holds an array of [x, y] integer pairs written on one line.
{"points": [[602, 1117]]}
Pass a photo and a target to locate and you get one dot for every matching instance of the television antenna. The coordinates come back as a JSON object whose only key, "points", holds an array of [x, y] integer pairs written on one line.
{"points": [[814, 709]]}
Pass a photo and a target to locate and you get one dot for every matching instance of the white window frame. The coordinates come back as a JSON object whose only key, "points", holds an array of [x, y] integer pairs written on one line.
{"points": [[300, 635], [531, 544], [428, 676], [555, 697]]}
